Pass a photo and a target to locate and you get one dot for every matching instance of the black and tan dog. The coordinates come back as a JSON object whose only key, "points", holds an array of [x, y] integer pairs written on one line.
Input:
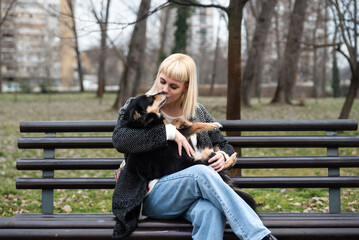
{"points": [[144, 112]]}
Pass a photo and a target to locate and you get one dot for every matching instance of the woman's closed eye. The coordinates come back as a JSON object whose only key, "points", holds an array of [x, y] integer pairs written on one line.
{"points": [[172, 86]]}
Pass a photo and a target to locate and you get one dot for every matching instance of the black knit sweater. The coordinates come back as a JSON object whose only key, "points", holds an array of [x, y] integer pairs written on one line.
{"points": [[130, 189]]}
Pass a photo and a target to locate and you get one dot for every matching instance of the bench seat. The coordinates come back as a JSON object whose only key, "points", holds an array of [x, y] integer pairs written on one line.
{"points": [[100, 226]]}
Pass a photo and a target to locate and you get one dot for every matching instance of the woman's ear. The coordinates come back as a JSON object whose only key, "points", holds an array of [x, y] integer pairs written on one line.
{"points": [[186, 87]]}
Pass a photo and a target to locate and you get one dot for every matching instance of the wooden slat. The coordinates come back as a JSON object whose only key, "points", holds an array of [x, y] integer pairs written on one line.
{"points": [[295, 141], [290, 125], [245, 182], [67, 126], [296, 182], [245, 141], [228, 125], [309, 226], [174, 224], [297, 162], [263, 215], [64, 142], [68, 163], [243, 162], [185, 234]]}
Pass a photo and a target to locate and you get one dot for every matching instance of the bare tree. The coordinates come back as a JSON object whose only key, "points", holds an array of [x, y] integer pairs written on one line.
{"points": [[254, 65], [235, 13], [288, 65], [10, 5], [136, 49], [346, 17], [76, 46], [325, 52], [164, 33], [215, 60], [102, 20], [315, 53]]}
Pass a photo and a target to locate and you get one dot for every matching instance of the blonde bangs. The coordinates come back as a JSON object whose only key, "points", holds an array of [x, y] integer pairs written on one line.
{"points": [[182, 68], [176, 70]]}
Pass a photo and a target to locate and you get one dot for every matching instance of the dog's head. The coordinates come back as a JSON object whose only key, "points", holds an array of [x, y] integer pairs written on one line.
{"points": [[143, 111]]}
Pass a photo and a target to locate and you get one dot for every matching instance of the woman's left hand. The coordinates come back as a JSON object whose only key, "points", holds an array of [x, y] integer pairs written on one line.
{"points": [[217, 162]]}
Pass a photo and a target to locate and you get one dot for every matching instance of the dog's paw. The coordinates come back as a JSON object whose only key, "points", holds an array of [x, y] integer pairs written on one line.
{"points": [[231, 161], [216, 125], [180, 123]]}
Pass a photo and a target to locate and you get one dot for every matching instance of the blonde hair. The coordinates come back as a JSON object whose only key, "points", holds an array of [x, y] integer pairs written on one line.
{"points": [[182, 68]]}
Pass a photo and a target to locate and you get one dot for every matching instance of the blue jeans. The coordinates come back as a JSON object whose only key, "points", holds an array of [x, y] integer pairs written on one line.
{"points": [[199, 195]]}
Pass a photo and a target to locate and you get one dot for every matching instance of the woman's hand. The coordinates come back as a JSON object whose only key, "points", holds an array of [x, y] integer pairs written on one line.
{"points": [[217, 162], [182, 142]]}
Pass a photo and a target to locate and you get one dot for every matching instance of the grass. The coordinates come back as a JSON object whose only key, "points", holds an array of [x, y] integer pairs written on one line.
{"points": [[39, 107]]}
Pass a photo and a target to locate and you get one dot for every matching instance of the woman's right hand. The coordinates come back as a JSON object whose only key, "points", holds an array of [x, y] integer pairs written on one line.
{"points": [[182, 142]]}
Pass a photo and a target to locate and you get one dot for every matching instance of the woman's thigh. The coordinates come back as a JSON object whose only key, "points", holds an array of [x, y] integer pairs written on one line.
{"points": [[173, 194]]}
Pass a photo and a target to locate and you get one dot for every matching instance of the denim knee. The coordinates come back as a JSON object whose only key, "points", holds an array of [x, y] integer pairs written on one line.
{"points": [[202, 170]]}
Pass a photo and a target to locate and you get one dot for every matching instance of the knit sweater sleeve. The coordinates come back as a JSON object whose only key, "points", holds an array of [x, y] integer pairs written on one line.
{"points": [[136, 140]]}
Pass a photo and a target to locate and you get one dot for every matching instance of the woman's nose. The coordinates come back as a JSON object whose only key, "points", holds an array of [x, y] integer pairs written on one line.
{"points": [[165, 89]]}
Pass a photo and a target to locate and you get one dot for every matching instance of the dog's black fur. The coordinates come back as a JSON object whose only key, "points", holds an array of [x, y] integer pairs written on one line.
{"points": [[160, 162]]}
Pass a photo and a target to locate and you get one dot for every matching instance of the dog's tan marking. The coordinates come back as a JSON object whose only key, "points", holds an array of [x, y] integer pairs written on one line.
{"points": [[181, 123], [231, 161], [156, 105], [203, 155], [206, 153], [136, 115], [198, 127]]}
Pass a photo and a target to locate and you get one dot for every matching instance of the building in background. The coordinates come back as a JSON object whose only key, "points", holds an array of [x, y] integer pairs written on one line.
{"points": [[34, 50], [8, 43], [201, 30], [67, 52]]}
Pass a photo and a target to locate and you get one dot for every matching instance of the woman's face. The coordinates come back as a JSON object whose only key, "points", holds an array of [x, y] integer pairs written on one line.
{"points": [[172, 88]]}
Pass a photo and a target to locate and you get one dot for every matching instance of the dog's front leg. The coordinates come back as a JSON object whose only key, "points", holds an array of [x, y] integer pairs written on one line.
{"points": [[188, 128]]}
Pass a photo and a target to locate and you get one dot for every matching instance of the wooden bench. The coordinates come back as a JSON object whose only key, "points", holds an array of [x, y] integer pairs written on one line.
{"points": [[49, 225]]}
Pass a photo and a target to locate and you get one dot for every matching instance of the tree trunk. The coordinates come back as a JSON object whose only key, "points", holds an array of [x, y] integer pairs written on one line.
{"points": [[0, 54], [235, 13], [0, 48], [289, 63], [353, 91], [136, 48], [140, 70], [164, 23], [78, 55], [253, 69], [102, 58], [325, 53], [316, 83], [214, 70]]}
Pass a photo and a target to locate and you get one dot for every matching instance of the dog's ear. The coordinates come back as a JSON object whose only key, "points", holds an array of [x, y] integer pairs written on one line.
{"points": [[136, 115]]}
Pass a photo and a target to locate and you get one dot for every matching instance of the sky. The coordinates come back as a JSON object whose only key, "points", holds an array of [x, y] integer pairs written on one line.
{"points": [[121, 13]]}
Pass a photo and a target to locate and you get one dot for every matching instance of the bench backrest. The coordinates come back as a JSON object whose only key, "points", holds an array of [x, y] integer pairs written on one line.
{"points": [[325, 137]]}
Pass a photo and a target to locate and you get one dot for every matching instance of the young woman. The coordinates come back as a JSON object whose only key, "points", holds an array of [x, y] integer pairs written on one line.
{"points": [[197, 193]]}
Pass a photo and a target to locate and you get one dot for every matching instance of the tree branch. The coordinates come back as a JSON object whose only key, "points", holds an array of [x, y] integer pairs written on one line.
{"points": [[195, 4], [149, 13], [347, 57], [7, 12], [322, 45], [118, 53]]}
